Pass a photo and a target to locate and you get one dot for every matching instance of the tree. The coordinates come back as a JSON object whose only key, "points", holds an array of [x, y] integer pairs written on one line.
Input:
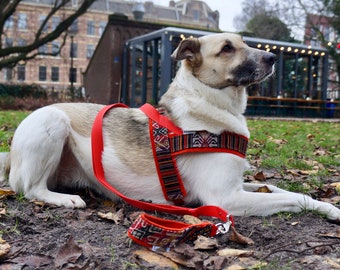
{"points": [[269, 27], [12, 55], [320, 19]]}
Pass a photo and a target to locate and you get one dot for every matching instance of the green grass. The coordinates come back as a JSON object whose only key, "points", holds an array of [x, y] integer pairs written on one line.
{"points": [[298, 150], [302, 141], [9, 120]]}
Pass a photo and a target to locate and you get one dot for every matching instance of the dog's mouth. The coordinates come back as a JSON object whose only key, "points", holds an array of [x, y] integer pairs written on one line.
{"points": [[249, 74]]}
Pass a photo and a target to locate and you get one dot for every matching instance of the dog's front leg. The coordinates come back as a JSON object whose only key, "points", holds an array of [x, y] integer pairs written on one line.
{"points": [[243, 202]]}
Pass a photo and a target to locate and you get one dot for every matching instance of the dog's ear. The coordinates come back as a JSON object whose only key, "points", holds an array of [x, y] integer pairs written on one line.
{"points": [[187, 49]]}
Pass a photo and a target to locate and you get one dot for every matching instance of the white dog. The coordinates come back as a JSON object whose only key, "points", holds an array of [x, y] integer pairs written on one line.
{"points": [[52, 146]]}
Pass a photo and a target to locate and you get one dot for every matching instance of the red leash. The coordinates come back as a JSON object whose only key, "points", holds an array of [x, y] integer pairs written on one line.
{"points": [[148, 230]]}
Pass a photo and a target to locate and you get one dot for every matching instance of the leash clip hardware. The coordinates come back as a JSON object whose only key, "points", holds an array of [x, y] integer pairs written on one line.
{"points": [[224, 227]]}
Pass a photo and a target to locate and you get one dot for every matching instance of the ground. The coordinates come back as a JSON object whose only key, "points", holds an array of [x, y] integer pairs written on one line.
{"points": [[47, 237]]}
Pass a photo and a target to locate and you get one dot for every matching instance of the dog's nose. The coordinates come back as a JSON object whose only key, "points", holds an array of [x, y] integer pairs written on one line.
{"points": [[269, 58]]}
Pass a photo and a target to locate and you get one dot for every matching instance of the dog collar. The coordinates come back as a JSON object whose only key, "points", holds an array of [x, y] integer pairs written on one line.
{"points": [[169, 141]]}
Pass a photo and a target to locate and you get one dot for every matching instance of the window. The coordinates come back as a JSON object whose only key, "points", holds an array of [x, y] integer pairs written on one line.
{"points": [[90, 50], [21, 72], [73, 75], [55, 22], [21, 42], [196, 15], [102, 26], [91, 28], [74, 50], [55, 74], [55, 48], [42, 73], [8, 42], [74, 27], [22, 21], [42, 21], [9, 23], [8, 74], [43, 49]]}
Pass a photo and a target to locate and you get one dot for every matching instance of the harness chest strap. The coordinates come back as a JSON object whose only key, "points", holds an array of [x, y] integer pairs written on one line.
{"points": [[168, 141], [148, 230]]}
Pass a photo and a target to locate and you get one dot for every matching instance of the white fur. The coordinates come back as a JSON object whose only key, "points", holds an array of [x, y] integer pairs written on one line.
{"points": [[210, 178]]}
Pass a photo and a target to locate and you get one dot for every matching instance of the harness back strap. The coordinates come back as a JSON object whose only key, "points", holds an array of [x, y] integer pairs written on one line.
{"points": [[147, 230]]}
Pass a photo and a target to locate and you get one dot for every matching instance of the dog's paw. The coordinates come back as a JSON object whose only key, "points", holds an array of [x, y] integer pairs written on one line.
{"points": [[59, 199], [72, 201]]}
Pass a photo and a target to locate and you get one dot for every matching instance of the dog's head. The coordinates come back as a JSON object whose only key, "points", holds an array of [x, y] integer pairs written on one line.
{"points": [[223, 60]]}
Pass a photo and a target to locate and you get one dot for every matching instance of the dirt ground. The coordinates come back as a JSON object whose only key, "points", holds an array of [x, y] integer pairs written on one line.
{"points": [[46, 237]]}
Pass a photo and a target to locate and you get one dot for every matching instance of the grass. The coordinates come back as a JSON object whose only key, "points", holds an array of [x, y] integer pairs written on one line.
{"points": [[275, 144], [294, 145], [9, 120]]}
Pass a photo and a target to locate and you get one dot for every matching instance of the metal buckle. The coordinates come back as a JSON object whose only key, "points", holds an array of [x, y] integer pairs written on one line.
{"points": [[224, 227]]}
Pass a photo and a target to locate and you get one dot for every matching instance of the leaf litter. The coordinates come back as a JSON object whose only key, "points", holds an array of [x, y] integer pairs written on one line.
{"points": [[34, 234]]}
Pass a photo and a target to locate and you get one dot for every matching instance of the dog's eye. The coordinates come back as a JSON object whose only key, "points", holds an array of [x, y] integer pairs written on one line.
{"points": [[227, 48]]}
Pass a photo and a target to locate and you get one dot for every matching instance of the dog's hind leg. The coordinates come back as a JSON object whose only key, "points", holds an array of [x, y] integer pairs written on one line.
{"points": [[35, 154]]}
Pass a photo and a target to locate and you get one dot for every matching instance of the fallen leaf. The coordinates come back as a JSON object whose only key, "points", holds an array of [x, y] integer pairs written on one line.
{"points": [[117, 217], [232, 252], [35, 261], [2, 212], [191, 219], [335, 234], [4, 248], [277, 141], [205, 243], [235, 267], [6, 192], [260, 176], [214, 263], [68, 253], [154, 260], [263, 189], [336, 185], [250, 263], [239, 238], [294, 223]]}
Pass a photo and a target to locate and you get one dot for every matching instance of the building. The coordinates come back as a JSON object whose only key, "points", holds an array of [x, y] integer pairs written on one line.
{"points": [[331, 36], [55, 73]]}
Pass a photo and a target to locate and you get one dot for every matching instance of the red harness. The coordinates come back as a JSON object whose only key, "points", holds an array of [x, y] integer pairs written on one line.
{"points": [[167, 142]]}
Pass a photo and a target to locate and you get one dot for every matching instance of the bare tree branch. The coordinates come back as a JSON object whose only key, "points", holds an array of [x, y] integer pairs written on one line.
{"points": [[10, 56]]}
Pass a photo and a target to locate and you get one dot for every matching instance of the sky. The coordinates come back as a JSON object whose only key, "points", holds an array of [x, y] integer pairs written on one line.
{"points": [[228, 9]]}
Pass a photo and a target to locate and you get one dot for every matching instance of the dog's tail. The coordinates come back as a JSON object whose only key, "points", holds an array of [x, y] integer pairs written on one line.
{"points": [[4, 166]]}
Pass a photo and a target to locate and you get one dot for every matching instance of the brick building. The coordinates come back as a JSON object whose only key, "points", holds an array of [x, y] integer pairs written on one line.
{"points": [[54, 72]]}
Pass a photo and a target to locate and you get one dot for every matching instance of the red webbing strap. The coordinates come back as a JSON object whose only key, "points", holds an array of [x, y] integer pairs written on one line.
{"points": [[97, 149]]}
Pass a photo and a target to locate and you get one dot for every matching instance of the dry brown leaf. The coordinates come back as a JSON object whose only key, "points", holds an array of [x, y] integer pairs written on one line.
{"points": [[2, 212], [154, 259], [260, 176], [6, 192], [68, 253], [191, 219], [232, 252], [335, 234], [35, 261], [263, 189], [251, 263], [4, 248], [235, 267], [214, 263], [321, 152], [336, 185], [205, 243], [117, 217], [277, 141], [239, 238]]}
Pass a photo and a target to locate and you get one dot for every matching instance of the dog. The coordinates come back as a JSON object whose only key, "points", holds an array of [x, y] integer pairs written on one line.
{"points": [[52, 146]]}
